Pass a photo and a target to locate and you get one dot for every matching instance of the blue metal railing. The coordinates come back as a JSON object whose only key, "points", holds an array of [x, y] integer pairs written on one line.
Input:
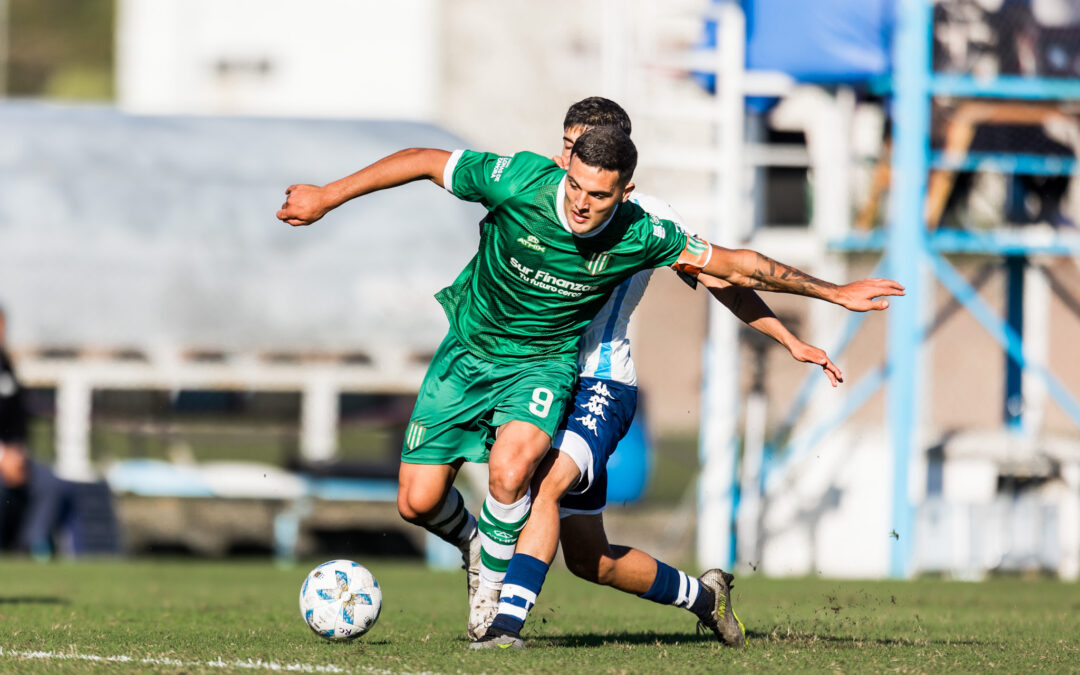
{"points": [[1019, 164], [1017, 241], [1004, 86]]}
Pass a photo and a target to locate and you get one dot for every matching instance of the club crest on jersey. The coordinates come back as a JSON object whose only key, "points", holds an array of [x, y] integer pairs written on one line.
{"points": [[598, 262], [414, 436], [532, 242]]}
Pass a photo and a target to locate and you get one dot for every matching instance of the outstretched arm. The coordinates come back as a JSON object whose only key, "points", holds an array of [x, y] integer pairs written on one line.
{"points": [[748, 306], [304, 204], [751, 269]]}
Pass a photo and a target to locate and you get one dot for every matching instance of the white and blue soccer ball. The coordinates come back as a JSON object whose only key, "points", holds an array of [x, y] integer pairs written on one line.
{"points": [[340, 600]]}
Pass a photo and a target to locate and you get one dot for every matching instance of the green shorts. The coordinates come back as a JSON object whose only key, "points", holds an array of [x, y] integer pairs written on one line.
{"points": [[465, 399]]}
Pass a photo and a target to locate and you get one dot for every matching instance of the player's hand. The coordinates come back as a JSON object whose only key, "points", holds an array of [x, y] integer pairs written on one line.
{"points": [[808, 353], [304, 204], [864, 295]]}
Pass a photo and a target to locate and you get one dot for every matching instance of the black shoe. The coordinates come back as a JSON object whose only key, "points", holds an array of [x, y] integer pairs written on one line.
{"points": [[722, 620]]}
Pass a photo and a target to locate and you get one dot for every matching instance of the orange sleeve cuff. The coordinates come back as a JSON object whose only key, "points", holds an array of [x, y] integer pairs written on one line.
{"points": [[694, 257]]}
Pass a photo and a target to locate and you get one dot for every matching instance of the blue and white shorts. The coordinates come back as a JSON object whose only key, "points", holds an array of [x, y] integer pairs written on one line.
{"points": [[601, 415]]}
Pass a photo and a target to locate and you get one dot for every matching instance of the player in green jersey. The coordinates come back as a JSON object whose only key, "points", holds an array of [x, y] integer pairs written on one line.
{"points": [[605, 402], [555, 245]]}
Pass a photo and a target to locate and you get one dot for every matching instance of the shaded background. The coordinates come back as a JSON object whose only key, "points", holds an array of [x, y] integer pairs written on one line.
{"points": [[146, 143]]}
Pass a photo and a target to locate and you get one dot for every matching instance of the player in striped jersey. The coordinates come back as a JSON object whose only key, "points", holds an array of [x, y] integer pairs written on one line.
{"points": [[605, 401]]}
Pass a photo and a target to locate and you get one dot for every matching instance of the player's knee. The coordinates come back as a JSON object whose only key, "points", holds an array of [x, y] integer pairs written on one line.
{"points": [[415, 508], [508, 480], [405, 509], [511, 466]]}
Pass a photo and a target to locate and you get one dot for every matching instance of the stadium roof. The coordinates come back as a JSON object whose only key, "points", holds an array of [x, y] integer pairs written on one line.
{"points": [[125, 231]]}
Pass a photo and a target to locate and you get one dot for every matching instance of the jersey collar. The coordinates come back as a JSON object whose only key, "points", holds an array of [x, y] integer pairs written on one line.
{"points": [[560, 210]]}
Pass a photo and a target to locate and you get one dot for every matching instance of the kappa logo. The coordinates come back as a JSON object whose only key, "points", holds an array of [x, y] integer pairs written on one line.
{"points": [[531, 242], [597, 400], [500, 164], [595, 408], [589, 422], [601, 389], [659, 231], [598, 262]]}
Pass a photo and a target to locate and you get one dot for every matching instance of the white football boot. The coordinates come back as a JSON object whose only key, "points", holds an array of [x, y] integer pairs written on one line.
{"points": [[470, 561], [482, 609]]}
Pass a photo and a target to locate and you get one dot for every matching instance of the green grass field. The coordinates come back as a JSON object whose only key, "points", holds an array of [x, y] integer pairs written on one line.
{"points": [[194, 616]]}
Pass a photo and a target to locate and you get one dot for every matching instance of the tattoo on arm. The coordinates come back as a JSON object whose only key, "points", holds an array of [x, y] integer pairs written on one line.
{"points": [[770, 275]]}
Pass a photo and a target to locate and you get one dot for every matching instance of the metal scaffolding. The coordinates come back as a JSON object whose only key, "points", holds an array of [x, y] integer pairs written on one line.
{"points": [[915, 251], [742, 467]]}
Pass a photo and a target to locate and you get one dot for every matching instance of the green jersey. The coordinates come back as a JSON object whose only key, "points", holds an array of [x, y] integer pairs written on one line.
{"points": [[534, 285]]}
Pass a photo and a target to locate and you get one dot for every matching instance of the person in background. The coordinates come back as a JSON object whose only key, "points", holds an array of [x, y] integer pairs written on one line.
{"points": [[33, 500], [14, 463]]}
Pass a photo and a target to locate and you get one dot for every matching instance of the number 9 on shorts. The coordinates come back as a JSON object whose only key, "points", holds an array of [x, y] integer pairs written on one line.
{"points": [[541, 401]]}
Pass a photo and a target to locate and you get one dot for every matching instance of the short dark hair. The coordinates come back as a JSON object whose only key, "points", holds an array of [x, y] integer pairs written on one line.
{"points": [[597, 111], [607, 148]]}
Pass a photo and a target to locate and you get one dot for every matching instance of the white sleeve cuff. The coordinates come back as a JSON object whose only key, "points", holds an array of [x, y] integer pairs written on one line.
{"points": [[448, 170]]}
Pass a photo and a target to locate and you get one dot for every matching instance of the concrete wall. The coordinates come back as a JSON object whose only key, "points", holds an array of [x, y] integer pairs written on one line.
{"points": [[317, 58]]}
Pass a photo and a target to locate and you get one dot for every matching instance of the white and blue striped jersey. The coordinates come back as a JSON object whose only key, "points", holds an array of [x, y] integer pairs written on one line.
{"points": [[604, 350]]}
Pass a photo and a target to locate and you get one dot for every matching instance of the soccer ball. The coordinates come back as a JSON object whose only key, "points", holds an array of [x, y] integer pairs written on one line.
{"points": [[340, 600]]}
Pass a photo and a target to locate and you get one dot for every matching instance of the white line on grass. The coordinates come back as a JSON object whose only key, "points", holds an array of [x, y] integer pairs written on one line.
{"points": [[249, 664]]}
